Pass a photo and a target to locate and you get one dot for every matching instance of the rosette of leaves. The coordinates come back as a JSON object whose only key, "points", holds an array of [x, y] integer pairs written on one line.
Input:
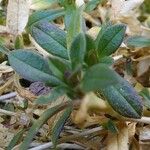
{"points": [[77, 65]]}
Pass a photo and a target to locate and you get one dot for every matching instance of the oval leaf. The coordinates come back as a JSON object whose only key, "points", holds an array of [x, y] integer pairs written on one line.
{"points": [[61, 64], [77, 51], [75, 25], [124, 99], [138, 41], [31, 66], [110, 40], [91, 5], [91, 53], [47, 15], [97, 77], [50, 38]]}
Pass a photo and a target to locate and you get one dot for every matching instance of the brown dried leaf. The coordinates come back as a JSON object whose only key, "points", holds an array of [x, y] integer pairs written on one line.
{"points": [[118, 141], [131, 130], [5, 136], [22, 91], [93, 32], [143, 66], [17, 16], [3, 29], [4, 68], [122, 10]]}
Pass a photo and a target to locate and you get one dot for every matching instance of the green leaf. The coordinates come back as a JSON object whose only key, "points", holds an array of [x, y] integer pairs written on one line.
{"points": [[90, 43], [15, 140], [32, 66], [91, 56], [91, 5], [138, 41], [107, 60], [111, 126], [59, 125], [52, 96], [3, 49], [124, 99], [56, 71], [110, 39], [66, 3], [40, 4], [103, 28], [98, 77], [19, 44], [38, 124], [70, 8], [61, 64], [45, 15], [145, 93], [77, 51], [50, 38], [75, 26]]}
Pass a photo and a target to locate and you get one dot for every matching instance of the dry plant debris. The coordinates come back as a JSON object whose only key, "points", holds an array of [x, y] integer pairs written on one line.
{"points": [[33, 118]]}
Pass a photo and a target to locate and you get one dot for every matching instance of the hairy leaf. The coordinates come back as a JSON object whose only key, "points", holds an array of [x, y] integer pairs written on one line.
{"points": [[97, 77], [91, 56], [75, 26], [138, 41], [90, 5], [70, 9], [124, 99], [45, 15], [107, 60], [32, 66], [50, 38], [77, 51], [61, 64], [110, 39]]}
